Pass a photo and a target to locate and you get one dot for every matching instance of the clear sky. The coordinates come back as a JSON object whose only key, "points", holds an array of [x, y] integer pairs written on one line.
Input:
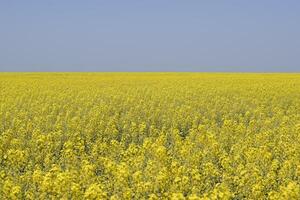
{"points": [[149, 35]]}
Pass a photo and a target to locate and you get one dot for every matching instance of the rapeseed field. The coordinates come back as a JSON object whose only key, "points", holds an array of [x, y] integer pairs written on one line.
{"points": [[149, 136]]}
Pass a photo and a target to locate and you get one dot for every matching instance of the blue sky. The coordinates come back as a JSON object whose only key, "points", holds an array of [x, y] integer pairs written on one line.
{"points": [[153, 35]]}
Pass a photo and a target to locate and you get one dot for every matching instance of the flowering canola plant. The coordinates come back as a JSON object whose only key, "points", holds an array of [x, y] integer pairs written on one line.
{"points": [[149, 136]]}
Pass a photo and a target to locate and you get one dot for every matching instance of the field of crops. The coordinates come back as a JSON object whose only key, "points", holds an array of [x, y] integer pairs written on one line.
{"points": [[149, 136]]}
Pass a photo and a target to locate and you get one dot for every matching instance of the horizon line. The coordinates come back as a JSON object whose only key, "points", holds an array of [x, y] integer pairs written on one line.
{"points": [[242, 72]]}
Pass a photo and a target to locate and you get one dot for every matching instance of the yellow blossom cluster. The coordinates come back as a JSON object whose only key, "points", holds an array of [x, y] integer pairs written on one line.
{"points": [[184, 136]]}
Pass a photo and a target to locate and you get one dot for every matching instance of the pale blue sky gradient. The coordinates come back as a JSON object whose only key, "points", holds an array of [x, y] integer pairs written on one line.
{"points": [[150, 35]]}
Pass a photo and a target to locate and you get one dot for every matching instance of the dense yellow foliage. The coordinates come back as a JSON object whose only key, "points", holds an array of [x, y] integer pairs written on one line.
{"points": [[149, 136]]}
